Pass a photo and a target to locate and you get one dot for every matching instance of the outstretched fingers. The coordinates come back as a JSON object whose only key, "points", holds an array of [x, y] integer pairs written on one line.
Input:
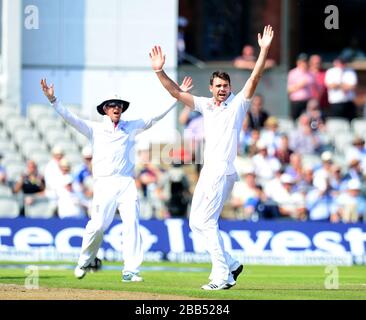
{"points": [[44, 84], [186, 84], [268, 31], [155, 51]]}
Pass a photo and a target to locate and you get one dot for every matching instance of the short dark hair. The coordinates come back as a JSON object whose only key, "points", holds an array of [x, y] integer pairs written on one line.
{"points": [[219, 74]]}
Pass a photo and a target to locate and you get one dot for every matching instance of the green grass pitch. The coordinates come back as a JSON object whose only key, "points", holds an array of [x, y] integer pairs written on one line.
{"points": [[256, 282]]}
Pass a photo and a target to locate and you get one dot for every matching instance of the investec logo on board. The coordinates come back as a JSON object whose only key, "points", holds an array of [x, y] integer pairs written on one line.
{"points": [[252, 243]]}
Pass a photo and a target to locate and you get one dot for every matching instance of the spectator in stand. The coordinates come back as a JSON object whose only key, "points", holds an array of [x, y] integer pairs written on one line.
{"points": [[270, 135], [306, 182], [300, 83], [358, 150], [336, 179], [265, 165], [181, 43], [353, 50], [3, 178], [193, 134], [259, 206], [85, 170], [341, 82], [291, 204], [304, 140], [257, 116], [244, 189], [251, 144], [150, 182], [248, 58], [319, 90], [177, 195], [317, 124], [31, 184], [52, 176], [69, 204], [321, 202], [283, 151], [65, 169], [272, 186], [325, 170], [295, 167], [351, 204], [244, 137], [83, 184], [316, 116], [354, 170]]}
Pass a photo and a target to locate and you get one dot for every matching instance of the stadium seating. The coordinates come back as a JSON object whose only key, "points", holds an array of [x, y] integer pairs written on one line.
{"points": [[6, 146], [14, 170], [285, 125], [9, 207], [21, 134], [40, 208], [74, 158], [6, 112], [44, 124], [10, 156], [54, 136], [31, 147], [5, 191], [342, 140], [36, 111], [358, 126], [335, 125]]}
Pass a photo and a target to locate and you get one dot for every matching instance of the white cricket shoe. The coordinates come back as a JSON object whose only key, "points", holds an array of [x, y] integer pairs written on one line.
{"points": [[79, 272], [131, 277], [95, 266], [217, 286]]}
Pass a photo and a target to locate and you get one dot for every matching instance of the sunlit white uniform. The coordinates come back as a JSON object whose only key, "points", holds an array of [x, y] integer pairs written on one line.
{"points": [[222, 125], [114, 186]]}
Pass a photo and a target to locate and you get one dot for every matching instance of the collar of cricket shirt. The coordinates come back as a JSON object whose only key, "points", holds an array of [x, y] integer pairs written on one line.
{"points": [[223, 104], [110, 124]]}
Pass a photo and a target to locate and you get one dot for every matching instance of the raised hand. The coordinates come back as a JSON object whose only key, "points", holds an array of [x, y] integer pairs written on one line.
{"points": [[265, 40], [48, 91], [157, 58], [186, 84]]}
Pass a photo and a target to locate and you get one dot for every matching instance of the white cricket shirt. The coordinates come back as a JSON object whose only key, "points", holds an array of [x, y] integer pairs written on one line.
{"points": [[113, 147], [222, 126], [340, 76]]}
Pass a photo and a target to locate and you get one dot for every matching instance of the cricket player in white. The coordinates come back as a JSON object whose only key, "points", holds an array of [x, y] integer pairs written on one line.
{"points": [[112, 141], [223, 117]]}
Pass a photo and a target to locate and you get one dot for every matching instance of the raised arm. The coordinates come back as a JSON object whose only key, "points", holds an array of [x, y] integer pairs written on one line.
{"points": [[79, 124], [48, 91], [157, 62], [185, 87], [264, 42]]}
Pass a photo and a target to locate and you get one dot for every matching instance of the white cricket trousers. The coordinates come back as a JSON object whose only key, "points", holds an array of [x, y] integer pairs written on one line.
{"points": [[208, 200], [111, 193]]}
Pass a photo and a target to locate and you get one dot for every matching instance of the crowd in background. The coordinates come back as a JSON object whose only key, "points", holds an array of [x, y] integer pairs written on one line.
{"points": [[275, 181]]}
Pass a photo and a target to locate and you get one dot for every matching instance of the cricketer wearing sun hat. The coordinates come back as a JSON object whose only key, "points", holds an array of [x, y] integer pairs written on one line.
{"points": [[113, 160], [116, 101]]}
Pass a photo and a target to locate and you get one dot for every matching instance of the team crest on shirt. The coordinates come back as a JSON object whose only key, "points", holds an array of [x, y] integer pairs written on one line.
{"points": [[210, 106]]}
